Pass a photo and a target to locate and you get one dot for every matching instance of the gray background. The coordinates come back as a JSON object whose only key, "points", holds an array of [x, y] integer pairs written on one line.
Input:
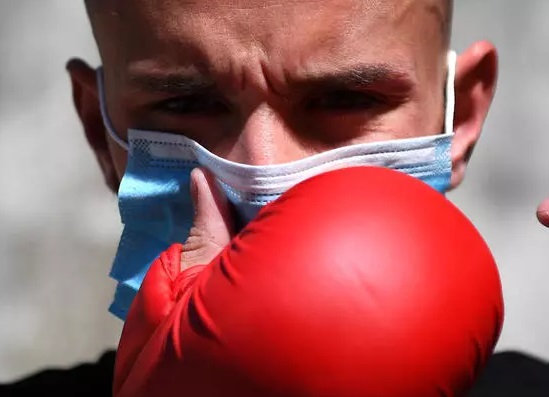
{"points": [[59, 225]]}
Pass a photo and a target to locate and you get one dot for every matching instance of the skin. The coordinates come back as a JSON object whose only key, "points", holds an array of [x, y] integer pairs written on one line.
{"points": [[271, 81], [543, 212]]}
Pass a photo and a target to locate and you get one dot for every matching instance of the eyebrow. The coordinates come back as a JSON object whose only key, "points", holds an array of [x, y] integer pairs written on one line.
{"points": [[361, 75], [173, 83], [389, 77]]}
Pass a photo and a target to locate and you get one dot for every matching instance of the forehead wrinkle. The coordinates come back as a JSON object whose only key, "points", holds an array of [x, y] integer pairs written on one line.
{"points": [[169, 37]]}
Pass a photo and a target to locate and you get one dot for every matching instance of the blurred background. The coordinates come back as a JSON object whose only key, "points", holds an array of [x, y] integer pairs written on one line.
{"points": [[59, 225]]}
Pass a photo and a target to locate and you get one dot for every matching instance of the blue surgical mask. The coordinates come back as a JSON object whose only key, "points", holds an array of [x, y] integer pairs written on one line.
{"points": [[154, 196]]}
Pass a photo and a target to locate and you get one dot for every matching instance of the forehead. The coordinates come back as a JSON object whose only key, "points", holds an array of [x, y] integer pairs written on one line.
{"points": [[282, 32]]}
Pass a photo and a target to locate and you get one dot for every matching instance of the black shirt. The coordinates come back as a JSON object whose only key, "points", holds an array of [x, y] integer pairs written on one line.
{"points": [[513, 374], [509, 374]]}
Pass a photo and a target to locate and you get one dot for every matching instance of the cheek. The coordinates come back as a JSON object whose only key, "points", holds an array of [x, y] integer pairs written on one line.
{"points": [[415, 119], [119, 158]]}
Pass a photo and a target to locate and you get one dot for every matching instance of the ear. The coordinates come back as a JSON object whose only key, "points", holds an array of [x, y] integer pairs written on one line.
{"points": [[86, 102], [475, 85]]}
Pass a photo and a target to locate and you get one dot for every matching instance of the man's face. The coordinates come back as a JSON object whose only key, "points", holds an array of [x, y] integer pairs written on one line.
{"points": [[271, 81]]}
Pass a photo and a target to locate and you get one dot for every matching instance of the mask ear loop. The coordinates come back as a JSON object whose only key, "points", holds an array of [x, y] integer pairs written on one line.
{"points": [[450, 93], [103, 107]]}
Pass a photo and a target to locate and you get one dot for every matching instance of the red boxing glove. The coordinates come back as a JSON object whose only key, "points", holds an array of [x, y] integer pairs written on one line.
{"points": [[356, 283]]}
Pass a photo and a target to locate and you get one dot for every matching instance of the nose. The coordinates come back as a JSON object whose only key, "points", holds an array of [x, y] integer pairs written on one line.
{"points": [[543, 212], [266, 138]]}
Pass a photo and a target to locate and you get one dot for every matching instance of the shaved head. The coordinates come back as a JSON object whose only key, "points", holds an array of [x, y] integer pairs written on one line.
{"points": [[94, 7]]}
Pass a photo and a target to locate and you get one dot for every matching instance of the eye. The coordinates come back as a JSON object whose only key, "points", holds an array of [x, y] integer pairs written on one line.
{"points": [[193, 105], [344, 100]]}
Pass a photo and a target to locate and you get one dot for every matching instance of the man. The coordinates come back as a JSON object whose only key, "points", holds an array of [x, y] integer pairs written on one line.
{"points": [[227, 78], [268, 82]]}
